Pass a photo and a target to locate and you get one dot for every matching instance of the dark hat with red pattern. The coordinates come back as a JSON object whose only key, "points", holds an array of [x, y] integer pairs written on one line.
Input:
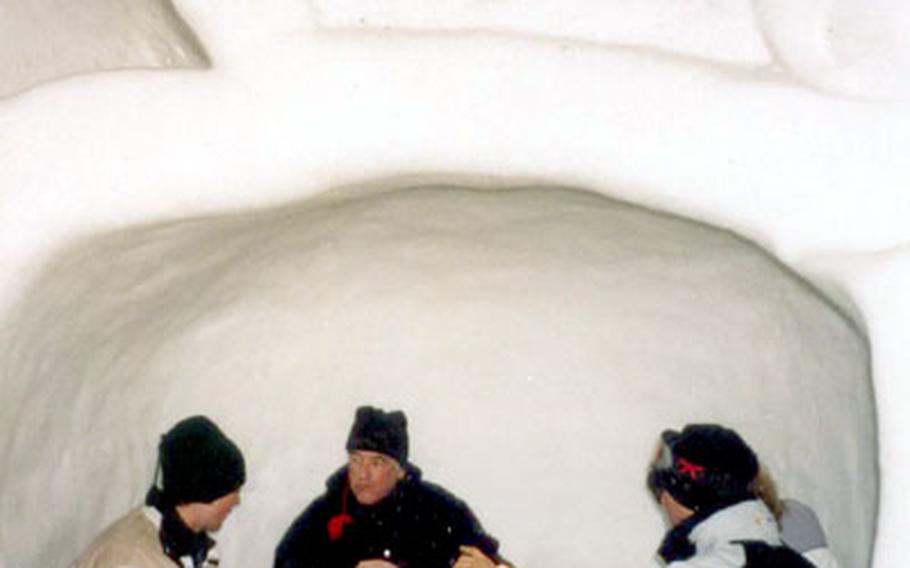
{"points": [[704, 467]]}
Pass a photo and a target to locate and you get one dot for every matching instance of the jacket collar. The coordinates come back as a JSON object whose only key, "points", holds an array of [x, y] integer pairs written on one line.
{"points": [[750, 520]]}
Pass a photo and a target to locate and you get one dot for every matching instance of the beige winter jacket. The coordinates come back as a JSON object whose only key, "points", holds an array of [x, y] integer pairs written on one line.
{"points": [[131, 542]]}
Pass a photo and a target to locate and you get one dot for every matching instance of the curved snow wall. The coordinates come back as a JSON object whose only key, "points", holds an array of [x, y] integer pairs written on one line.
{"points": [[54, 39], [539, 339]]}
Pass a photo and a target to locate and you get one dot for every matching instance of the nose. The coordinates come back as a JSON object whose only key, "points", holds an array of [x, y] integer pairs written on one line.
{"points": [[360, 474]]}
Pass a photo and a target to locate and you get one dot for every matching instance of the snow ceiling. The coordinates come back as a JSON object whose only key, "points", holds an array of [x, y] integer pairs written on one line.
{"points": [[547, 232]]}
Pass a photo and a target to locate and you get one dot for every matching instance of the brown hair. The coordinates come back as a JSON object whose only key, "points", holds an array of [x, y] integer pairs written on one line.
{"points": [[764, 488]]}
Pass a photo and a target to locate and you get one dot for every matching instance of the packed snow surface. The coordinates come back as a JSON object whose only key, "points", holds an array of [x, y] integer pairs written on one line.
{"points": [[171, 242], [54, 39]]}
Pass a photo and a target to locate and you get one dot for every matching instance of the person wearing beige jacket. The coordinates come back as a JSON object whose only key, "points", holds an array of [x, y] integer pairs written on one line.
{"points": [[197, 485]]}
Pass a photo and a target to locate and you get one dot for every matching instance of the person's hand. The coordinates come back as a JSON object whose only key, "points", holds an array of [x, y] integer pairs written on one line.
{"points": [[375, 563], [472, 557]]}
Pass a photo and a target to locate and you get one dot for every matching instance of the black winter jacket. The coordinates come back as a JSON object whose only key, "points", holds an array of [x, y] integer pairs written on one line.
{"points": [[418, 525]]}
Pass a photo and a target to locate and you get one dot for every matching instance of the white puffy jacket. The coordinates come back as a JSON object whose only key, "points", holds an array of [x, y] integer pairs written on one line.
{"points": [[749, 520]]}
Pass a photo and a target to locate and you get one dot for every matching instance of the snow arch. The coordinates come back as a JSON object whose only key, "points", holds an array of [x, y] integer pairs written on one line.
{"points": [[538, 337]]}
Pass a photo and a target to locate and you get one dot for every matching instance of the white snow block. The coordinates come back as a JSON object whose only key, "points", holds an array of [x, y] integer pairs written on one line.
{"points": [[724, 31], [857, 48]]}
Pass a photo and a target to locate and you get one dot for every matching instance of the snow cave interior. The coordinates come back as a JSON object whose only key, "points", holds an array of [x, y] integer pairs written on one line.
{"points": [[546, 232]]}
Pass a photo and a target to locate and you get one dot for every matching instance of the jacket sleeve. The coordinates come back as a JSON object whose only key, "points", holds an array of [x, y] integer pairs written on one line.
{"points": [[303, 545], [468, 529]]}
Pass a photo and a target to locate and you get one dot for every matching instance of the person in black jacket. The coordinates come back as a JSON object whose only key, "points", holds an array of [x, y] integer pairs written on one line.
{"points": [[378, 512]]}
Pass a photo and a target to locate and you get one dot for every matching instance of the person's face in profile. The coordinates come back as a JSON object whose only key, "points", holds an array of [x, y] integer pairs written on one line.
{"points": [[372, 475], [209, 517], [676, 512]]}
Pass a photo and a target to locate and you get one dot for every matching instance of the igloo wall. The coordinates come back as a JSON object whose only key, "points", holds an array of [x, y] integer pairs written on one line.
{"points": [[539, 339], [784, 121]]}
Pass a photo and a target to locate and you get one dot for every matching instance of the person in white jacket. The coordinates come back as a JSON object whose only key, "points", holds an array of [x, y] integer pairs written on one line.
{"points": [[702, 478]]}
